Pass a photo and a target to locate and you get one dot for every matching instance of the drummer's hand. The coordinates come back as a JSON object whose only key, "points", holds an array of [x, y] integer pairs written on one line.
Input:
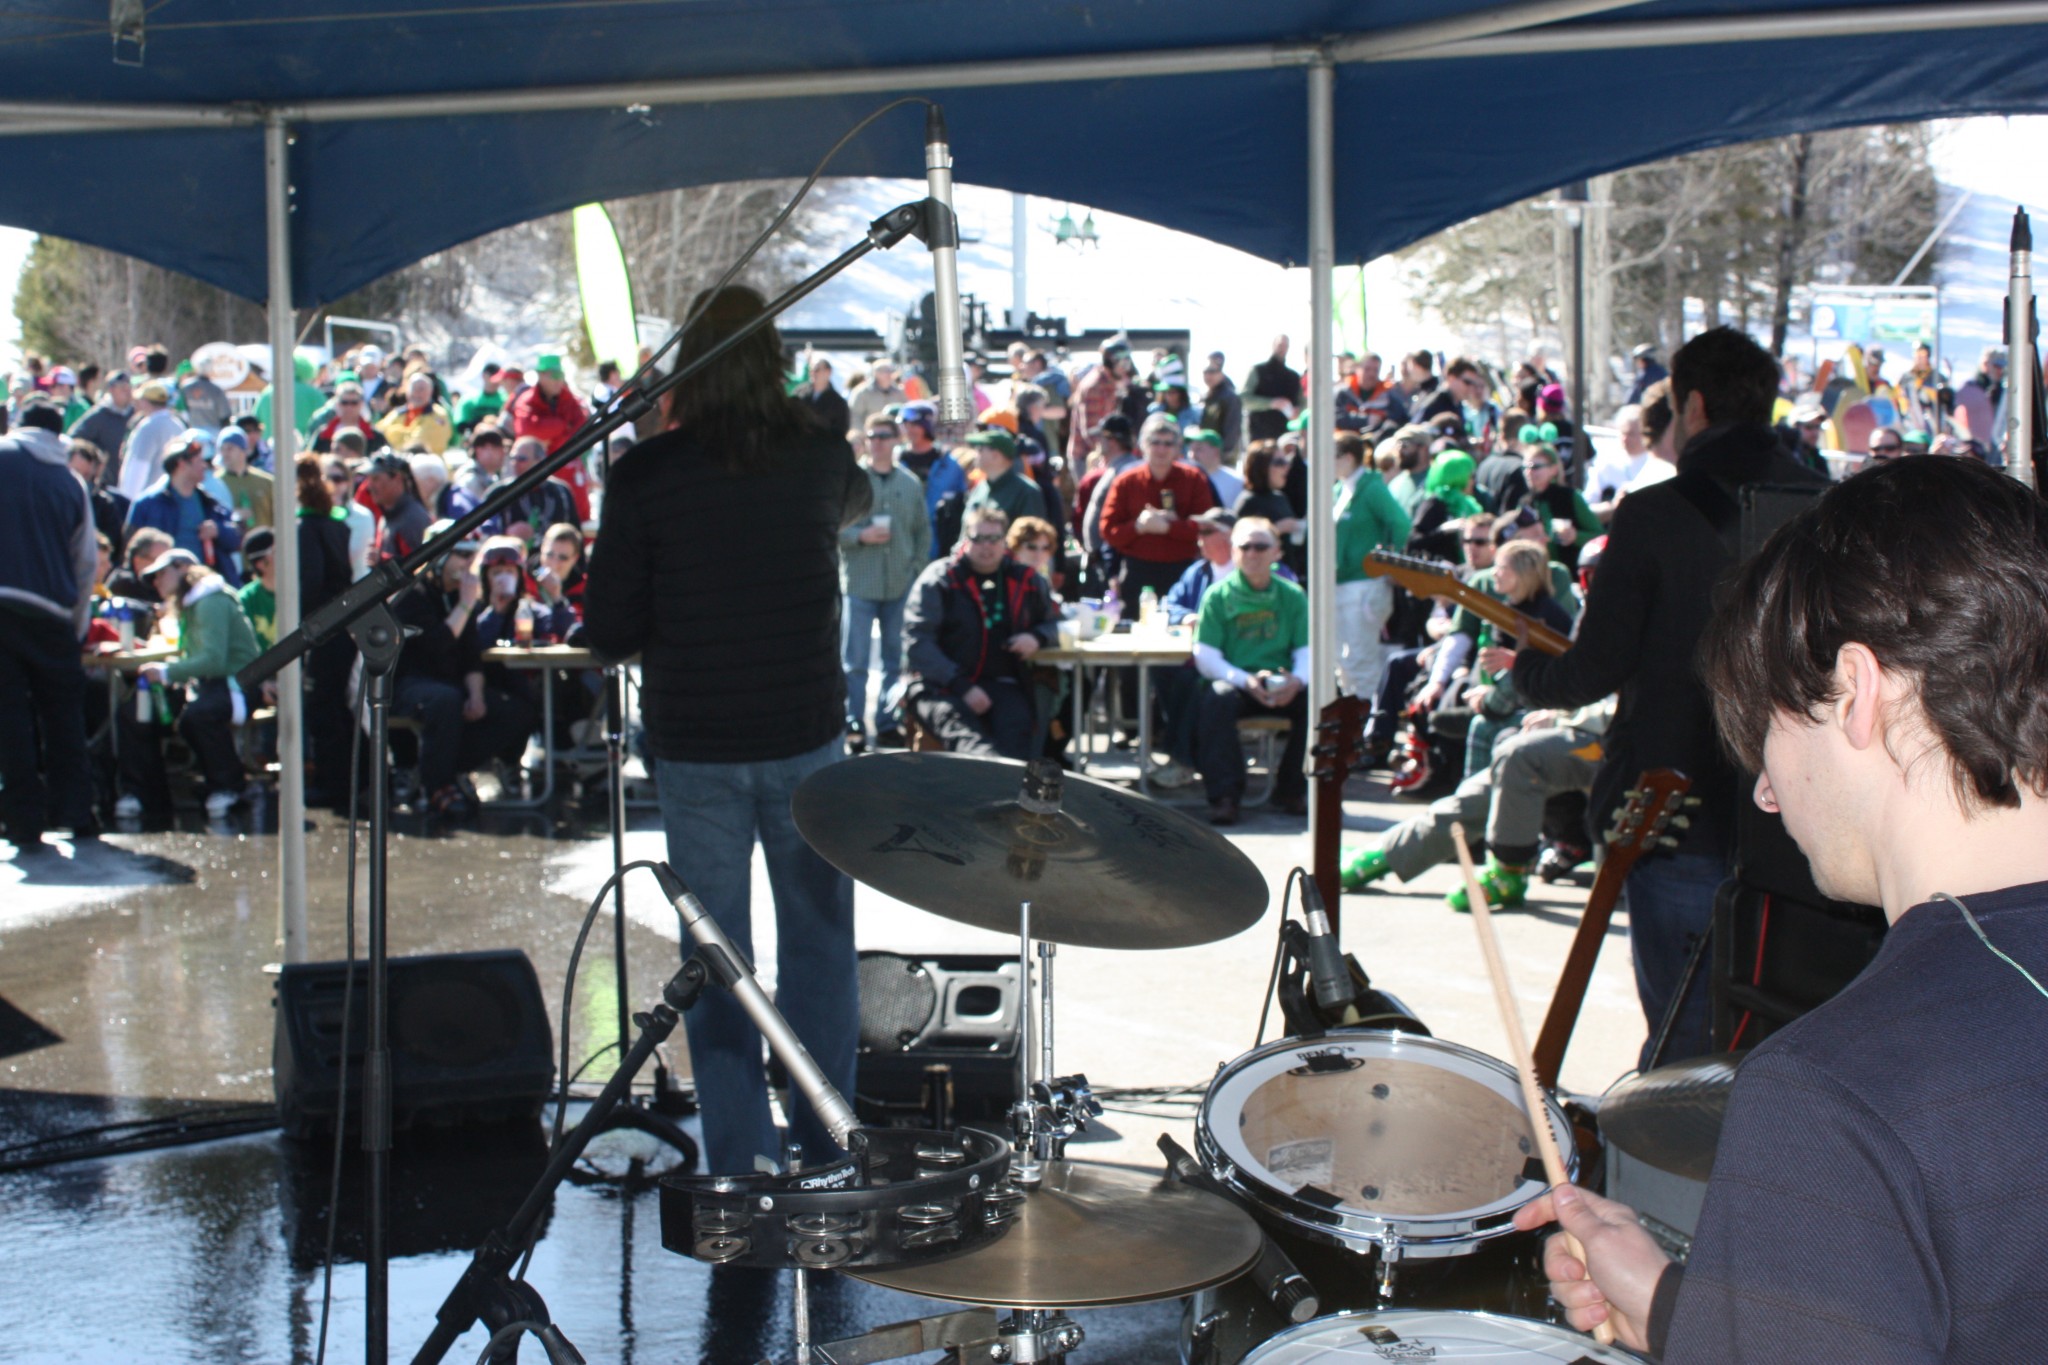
{"points": [[1626, 1262], [977, 701]]}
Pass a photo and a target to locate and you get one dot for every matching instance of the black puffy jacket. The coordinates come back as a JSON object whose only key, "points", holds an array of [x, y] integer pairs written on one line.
{"points": [[727, 585]]}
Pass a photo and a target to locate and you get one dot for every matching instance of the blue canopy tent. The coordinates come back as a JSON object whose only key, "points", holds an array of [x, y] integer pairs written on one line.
{"points": [[291, 150]]}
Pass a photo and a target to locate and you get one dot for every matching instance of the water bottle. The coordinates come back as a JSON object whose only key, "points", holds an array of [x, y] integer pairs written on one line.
{"points": [[1148, 607], [145, 708], [1112, 605], [124, 622]]}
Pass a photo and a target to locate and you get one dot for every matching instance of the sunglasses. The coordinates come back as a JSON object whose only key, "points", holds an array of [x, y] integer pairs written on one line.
{"points": [[985, 540], [1282, 460], [1260, 545], [1037, 547], [1886, 450], [881, 435], [1476, 540], [348, 402], [1532, 468]]}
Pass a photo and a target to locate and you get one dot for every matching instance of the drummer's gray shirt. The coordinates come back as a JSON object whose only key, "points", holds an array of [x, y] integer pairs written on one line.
{"points": [[1880, 1193]]}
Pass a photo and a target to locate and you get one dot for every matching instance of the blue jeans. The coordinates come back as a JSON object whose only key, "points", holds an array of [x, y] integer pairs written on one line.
{"points": [[712, 813], [857, 635], [1670, 905]]}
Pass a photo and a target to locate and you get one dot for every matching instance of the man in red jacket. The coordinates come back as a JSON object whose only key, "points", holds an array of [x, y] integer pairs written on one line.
{"points": [[549, 411], [1148, 515]]}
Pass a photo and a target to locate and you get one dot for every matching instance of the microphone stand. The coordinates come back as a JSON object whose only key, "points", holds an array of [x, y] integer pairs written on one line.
{"points": [[363, 611]]}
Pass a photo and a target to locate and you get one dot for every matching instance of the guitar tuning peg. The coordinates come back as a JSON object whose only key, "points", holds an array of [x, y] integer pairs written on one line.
{"points": [[1680, 822], [1691, 803], [1666, 841], [1633, 794]]}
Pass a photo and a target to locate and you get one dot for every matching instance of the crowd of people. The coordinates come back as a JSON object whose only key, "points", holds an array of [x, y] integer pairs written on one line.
{"points": [[1098, 481]]}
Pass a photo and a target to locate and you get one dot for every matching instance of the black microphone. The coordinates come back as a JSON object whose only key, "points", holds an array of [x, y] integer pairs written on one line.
{"points": [[1275, 1274], [1325, 959], [942, 236]]}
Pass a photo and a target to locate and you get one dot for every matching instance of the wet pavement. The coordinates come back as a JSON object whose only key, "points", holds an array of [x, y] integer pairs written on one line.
{"points": [[133, 984]]}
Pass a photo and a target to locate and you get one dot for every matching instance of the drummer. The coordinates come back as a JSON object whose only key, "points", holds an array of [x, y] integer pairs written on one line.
{"points": [[1878, 1191]]}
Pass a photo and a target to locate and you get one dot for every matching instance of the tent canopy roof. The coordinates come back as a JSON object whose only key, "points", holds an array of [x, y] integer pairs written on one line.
{"points": [[1041, 96]]}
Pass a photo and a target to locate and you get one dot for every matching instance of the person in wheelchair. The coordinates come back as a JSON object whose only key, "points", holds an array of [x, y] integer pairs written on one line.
{"points": [[973, 621]]}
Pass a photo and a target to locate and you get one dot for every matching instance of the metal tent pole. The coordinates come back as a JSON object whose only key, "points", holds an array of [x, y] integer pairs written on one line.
{"points": [[1320, 382], [284, 431]]}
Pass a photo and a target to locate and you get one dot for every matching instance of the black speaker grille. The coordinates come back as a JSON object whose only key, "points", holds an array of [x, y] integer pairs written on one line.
{"points": [[897, 1001]]}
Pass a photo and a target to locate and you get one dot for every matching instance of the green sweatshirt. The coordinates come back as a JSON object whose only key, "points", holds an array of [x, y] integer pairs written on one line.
{"points": [[214, 637], [1369, 520]]}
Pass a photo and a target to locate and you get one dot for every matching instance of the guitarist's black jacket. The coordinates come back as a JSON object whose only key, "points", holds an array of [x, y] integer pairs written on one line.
{"points": [[1639, 633]]}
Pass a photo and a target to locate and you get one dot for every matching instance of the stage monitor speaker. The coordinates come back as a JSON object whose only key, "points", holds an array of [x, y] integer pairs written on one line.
{"points": [[470, 1041], [938, 1039]]}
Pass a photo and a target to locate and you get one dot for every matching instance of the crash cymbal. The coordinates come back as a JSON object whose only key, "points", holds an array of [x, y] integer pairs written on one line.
{"points": [[963, 838], [1089, 1236], [1670, 1118]]}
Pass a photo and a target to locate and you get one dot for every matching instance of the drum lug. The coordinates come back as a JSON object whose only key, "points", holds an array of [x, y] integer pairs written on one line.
{"points": [[1390, 1264]]}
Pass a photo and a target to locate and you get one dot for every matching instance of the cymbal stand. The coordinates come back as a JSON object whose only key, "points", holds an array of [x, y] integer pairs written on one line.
{"points": [[1029, 1336], [1026, 1167], [1051, 1109]]}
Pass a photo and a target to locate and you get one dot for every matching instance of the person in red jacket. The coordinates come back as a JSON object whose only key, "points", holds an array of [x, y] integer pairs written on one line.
{"points": [[1148, 517], [549, 411]]}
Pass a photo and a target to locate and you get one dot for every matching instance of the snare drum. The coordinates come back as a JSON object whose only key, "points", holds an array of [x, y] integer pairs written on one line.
{"points": [[1440, 1337], [1410, 1147], [1389, 1167]]}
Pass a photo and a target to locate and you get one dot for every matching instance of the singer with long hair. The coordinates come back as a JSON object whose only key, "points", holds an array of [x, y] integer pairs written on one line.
{"points": [[717, 563]]}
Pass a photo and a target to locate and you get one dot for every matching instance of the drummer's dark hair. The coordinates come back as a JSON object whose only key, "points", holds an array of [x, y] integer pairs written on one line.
{"points": [[1939, 567]]}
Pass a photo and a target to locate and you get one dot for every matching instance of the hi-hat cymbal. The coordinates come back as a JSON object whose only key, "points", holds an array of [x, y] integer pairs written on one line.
{"points": [[962, 838], [1670, 1118], [1090, 1236]]}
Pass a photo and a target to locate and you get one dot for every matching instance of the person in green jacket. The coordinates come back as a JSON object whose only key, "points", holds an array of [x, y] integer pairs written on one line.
{"points": [[1368, 519], [214, 642], [306, 400], [487, 403]]}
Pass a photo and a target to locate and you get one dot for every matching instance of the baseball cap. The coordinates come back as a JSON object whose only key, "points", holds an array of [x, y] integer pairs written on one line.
{"points": [[1551, 396], [1808, 410], [156, 391], [995, 438], [1216, 519], [169, 559], [258, 543], [1193, 434], [548, 364], [63, 375]]}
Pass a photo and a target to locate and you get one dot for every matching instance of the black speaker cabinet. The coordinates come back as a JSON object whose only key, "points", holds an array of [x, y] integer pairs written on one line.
{"points": [[1776, 956], [470, 1041], [938, 1039]]}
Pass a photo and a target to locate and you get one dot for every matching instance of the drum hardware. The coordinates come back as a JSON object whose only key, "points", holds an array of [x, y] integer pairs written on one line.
{"points": [[1365, 1007]]}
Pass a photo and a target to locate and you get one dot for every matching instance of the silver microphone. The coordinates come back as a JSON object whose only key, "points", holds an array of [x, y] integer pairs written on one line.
{"points": [[942, 236], [737, 975]]}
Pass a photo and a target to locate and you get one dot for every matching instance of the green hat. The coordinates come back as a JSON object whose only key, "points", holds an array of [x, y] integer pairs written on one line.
{"points": [[1193, 434], [1918, 438], [303, 368], [995, 438], [548, 364], [184, 368], [1301, 422]]}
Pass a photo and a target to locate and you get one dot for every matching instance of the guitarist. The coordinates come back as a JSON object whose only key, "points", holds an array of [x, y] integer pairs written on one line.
{"points": [[1639, 635]]}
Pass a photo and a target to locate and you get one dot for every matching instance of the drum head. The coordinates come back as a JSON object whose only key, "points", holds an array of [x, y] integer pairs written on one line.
{"points": [[1440, 1337], [1378, 1126]]}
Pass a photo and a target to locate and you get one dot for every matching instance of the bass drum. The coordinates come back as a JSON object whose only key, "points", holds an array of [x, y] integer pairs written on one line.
{"points": [[1388, 1166], [1439, 1337]]}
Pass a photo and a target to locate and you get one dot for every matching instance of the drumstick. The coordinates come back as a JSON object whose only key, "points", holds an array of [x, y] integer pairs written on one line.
{"points": [[1518, 1046]]}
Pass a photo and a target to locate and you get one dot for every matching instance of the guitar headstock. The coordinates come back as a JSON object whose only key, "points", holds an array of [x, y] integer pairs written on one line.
{"points": [[1655, 805], [1420, 576]]}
